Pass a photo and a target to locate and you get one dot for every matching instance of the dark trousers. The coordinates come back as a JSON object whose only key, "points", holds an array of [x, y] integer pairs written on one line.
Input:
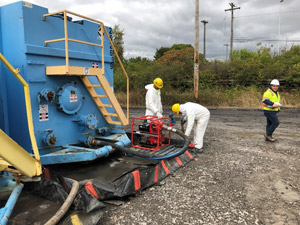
{"points": [[272, 122]]}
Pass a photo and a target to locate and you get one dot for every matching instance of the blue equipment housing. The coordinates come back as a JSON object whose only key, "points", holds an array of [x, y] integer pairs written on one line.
{"points": [[65, 116]]}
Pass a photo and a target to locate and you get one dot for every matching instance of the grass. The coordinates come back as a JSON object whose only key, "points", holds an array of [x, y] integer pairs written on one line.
{"points": [[243, 97]]}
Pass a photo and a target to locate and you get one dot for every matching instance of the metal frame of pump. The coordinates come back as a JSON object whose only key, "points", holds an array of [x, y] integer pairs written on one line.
{"points": [[151, 128]]}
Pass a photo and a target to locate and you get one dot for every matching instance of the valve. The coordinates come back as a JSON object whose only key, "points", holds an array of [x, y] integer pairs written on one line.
{"points": [[90, 121], [46, 94], [50, 139], [88, 141]]}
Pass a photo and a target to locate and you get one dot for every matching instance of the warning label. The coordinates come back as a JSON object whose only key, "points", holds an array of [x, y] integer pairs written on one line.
{"points": [[73, 98], [43, 113]]}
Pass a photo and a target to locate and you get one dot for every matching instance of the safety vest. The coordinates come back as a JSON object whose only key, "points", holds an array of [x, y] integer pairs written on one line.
{"points": [[270, 95]]}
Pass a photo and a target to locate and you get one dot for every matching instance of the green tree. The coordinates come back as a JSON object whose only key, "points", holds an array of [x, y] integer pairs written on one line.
{"points": [[160, 52], [245, 67], [177, 68], [117, 39], [181, 46]]}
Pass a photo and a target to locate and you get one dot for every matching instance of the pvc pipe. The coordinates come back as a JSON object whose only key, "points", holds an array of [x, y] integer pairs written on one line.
{"points": [[11, 202]]}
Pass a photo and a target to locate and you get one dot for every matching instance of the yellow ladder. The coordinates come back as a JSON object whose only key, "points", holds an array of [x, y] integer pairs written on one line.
{"points": [[84, 72], [108, 94]]}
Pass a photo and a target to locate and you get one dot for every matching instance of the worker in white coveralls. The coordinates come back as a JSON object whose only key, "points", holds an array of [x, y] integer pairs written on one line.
{"points": [[153, 99], [197, 117]]}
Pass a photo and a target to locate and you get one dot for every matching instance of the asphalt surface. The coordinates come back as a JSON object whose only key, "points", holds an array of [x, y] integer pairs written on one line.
{"points": [[238, 179]]}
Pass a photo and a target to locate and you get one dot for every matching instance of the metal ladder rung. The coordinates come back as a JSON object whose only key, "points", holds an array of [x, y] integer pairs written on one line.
{"points": [[99, 96], [115, 122], [106, 105], [94, 85], [110, 114]]}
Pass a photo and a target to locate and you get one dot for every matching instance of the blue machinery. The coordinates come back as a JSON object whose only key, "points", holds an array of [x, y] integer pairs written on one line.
{"points": [[68, 66], [59, 100], [59, 106]]}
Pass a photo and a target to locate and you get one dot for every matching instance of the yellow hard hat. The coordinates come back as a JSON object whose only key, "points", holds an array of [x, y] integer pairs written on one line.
{"points": [[175, 108], [158, 82]]}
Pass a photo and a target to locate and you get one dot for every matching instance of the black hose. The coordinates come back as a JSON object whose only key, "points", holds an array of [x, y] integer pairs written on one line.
{"points": [[132, 151]]}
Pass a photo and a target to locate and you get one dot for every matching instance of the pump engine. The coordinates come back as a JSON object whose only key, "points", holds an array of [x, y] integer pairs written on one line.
{"points": [[147, 132]]}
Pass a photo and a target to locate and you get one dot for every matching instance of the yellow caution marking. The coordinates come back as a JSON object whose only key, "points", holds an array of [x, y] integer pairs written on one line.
{"points": [[75, 220]]}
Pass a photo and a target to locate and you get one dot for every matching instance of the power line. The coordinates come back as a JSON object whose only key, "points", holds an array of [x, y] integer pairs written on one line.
{"points": [[266, 40], [268, 14]]}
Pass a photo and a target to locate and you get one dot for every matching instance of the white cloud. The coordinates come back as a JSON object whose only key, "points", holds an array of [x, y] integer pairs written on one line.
{"points": [[151, 24]]}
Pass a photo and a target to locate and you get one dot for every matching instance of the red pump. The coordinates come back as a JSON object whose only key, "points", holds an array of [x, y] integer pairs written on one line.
{"points": [[150, 134]]}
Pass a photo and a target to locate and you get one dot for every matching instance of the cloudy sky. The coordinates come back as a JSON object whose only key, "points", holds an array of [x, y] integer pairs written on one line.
{"points": [[151, 24]]}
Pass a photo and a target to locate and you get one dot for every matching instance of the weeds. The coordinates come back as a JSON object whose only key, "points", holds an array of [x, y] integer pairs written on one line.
{"points": [[243, 97]]}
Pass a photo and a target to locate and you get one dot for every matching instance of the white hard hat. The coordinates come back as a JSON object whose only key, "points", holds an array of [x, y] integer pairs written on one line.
{"points": [[275, 82]]}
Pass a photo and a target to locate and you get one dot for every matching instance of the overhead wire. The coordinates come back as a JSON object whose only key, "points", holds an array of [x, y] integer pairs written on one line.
{"points": [[269, 40], [268, 14], [243, 40], [239, 15]]}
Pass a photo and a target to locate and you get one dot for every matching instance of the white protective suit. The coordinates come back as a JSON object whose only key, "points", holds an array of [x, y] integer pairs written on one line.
{"points": [[197, 117], [153, 101]]}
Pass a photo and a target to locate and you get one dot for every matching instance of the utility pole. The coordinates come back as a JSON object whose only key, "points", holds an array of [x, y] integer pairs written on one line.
{"points": [[204, 39], [279, 27], [226, 45], [231, 37], [196, 51]]}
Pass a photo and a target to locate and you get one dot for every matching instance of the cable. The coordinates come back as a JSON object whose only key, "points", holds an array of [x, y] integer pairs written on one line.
{"points": [[258, 39], [268, 14]]}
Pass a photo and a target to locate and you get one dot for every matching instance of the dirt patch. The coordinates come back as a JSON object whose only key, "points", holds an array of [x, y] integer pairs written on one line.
{"points": [[238, 179]]}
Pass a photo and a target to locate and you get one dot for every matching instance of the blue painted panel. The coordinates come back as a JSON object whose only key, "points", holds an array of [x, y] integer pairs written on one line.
{"points": [[13, 49], [2, 90], [23, 34]]}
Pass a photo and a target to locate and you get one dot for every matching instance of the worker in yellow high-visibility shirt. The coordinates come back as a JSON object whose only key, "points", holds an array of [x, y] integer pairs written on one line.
{"points": [[271, 106]]}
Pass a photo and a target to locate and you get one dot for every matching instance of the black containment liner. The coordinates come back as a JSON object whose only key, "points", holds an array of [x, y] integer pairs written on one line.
{"points": [[115, 177]]}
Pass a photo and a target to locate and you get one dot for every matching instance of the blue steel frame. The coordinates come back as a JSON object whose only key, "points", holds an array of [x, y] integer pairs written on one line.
{"points": [[23, 32]]}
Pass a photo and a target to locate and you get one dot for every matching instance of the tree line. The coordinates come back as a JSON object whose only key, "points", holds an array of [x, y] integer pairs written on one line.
{"points": [[175, 66]]}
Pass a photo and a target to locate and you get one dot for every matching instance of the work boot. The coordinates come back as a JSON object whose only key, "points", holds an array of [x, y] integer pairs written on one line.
{"points": [[199, 150], [269, 138]]}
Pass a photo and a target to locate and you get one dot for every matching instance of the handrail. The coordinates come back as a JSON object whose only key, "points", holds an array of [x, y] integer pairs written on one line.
{"points": [[66, 39], [15, 72]]}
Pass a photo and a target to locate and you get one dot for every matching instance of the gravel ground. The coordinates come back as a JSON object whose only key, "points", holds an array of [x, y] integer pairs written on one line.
{"points": [[238, 179]]}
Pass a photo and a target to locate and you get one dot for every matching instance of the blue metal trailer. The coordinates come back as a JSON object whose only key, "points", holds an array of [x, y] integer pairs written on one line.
{"points": [[68, 65]]}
